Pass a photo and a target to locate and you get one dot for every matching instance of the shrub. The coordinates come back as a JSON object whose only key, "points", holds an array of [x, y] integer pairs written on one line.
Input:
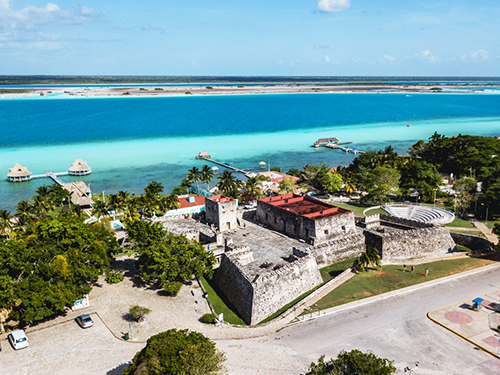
{"points": [[158, 89], [178, 353], [138, 312], [113, 277], [209, 318], [209, 87], [188, 93], [172, 288]]}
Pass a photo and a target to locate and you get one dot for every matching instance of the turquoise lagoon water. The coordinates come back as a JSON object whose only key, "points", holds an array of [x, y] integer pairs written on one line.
{"points": [[129, 142]]}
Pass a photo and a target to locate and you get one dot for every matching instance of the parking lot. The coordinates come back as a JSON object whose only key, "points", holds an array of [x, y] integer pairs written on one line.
{"points": [[68, 349]]}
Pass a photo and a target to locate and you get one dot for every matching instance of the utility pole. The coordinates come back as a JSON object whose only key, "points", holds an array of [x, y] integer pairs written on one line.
{"points": [[434, 197]]}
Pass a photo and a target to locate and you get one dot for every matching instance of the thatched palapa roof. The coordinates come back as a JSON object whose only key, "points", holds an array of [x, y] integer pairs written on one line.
{"points": [[18, 171], [79, 166], [79, 193]]}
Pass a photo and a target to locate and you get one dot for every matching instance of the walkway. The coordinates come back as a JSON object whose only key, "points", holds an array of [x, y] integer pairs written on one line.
{"points": [[487, 232]]}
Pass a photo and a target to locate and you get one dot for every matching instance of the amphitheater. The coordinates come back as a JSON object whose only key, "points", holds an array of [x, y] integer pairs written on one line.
{"points": [[424, 214]]}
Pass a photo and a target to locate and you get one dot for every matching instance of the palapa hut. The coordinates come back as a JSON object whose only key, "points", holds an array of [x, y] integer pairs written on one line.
{"points": [[18, 173], [80, 193], [79, 168]]}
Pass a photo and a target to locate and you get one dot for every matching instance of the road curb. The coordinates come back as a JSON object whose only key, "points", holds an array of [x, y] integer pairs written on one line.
{"points": [[457, 333]]}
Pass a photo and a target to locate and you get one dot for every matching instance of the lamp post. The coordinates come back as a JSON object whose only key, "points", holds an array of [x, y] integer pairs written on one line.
{"points": [[455, 203], [434, 197], [475, 205], [103, 199], [487, 206]]}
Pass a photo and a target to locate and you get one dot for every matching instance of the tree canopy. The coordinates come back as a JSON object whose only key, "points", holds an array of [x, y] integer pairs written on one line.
{"points": [[177, 352], [353, 362]]}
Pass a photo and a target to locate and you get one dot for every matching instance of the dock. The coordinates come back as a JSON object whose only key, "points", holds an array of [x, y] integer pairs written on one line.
{"points": [[53, 175], [228, 166], [334, 144]]}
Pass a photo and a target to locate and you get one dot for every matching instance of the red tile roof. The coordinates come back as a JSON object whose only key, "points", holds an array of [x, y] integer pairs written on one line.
{"points": [[199, 201], [220, 198], [305, 206]]}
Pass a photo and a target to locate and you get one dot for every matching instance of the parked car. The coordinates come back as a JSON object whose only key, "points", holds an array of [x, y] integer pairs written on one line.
{"points": [[84, 320], [18, 339]]}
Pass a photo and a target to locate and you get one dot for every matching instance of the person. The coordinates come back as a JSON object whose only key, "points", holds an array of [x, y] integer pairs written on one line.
{"points": [[404, 267], [412, 268], [426, 271]]}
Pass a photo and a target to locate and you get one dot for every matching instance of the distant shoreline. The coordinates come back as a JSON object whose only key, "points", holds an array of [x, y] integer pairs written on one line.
{"points": [[149, 90]]}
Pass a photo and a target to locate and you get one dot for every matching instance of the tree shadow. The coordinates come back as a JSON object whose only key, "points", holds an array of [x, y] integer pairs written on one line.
{"points": [[129, 318], [118, 369]]}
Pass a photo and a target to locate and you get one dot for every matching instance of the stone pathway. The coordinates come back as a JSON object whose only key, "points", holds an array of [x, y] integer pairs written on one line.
{"points": [[477, 327], [487, 232]]}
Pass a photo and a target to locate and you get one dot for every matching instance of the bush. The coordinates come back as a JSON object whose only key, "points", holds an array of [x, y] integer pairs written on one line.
{"points": [[172, 288], [113, 277], [209, 318], [353, 362], [188, 93], [138, 312], [178, 352]]}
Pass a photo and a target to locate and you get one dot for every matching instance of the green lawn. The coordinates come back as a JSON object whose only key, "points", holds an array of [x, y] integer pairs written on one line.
{"points": [[220, 304], [458, 222], [392, 277], [471, 232], [358, 210]]}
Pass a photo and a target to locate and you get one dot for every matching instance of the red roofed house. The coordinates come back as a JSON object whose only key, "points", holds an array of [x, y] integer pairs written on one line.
{"points": [[190, 204], [304, 218]]}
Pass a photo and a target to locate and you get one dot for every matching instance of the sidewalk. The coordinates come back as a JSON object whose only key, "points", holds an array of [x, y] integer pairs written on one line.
{"points": [[477, 327], [487, 232]]}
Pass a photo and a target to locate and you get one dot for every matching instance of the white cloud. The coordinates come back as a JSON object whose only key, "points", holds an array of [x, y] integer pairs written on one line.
{"points": [[31, 17], [330, 6], [476, 56], [327, 59], [428, 56], [387, 58]]}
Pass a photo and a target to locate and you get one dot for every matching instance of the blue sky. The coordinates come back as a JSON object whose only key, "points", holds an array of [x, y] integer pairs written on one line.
{"points": [[235, 37]]}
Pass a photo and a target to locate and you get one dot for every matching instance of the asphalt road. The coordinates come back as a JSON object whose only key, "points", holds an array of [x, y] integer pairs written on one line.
{"points": [[396, 328]]}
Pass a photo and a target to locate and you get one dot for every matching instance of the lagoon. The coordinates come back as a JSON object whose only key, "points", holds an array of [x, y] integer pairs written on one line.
{"points": [[130, 141]]}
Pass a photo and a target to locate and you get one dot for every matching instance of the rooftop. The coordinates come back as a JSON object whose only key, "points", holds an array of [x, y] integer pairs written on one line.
{"points": [[220, 198], [196, 200], [305, 206]]}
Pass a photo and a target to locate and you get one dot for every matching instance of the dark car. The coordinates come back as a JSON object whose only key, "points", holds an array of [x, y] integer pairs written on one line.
{"points": [[84, 320]]}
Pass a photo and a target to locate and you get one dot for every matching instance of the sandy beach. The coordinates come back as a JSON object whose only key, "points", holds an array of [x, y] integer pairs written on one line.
{"points": [[135, 90]]}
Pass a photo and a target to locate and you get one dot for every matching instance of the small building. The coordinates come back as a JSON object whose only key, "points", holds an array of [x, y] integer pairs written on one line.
{"points": [[305, 218], [18, 173], [222, 212], [277, 177], [80, 193], [79, 168], [189, 204], [324, 141]]}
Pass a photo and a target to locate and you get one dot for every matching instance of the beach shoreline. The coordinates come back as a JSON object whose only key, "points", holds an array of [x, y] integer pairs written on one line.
{"points": [[148, 90]]}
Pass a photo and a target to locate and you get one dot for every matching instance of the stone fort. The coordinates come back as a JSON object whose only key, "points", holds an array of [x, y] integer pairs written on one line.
{"points": [[288, 238]]}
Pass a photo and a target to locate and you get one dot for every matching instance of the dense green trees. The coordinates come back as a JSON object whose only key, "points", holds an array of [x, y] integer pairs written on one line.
{"points": [[381, 182], [353, 362], [51, 265], [177, 352], [165, 258]]}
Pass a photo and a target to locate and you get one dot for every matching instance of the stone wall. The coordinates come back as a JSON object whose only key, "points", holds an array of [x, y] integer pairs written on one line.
{"points": [[301, 227], [232, 280], [259, 298], [412, 244], [333, 251], [475, 243]]}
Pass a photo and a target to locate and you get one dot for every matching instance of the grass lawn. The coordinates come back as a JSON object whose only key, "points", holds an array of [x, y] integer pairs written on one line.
{"points": [[458, 222], [221, 305], [471, 232], [335, 269], [358, 210], [392, 277], [491, 223]]}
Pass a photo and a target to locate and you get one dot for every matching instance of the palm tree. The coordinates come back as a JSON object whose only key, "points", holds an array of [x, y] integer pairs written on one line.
{"points": [[349, 187], [114, 204], [123, 197], [207, 175], [24, 208], [153, 188], [168, 202], [195, 175], [99, 210], [253, 187], [132, 209], [227, 184], [370, 257], [6, 224]]}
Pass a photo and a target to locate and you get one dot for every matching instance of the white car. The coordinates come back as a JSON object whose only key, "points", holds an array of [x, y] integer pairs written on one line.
{"points": [[18, 339]]}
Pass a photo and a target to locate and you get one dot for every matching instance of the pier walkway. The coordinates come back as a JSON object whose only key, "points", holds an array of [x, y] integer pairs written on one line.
{"points": [[346, 149], [228, 166], [52, 175]]}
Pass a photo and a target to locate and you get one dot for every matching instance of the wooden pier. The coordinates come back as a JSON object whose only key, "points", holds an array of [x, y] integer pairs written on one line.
{"points": [[346, 149], [228, 166], [334, 143], [52, 175]]}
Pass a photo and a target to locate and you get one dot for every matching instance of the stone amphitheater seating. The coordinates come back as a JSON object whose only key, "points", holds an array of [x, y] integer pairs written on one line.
{"points": [[423, 214]]}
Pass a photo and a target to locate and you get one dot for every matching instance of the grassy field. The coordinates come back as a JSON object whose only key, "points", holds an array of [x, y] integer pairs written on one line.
{"points": [[220, 304], [358, 210], [471, 232], [392, 277], [458, 222]]}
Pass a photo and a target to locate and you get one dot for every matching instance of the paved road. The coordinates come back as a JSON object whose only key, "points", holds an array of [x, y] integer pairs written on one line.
{"points": [[396, 328]]}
